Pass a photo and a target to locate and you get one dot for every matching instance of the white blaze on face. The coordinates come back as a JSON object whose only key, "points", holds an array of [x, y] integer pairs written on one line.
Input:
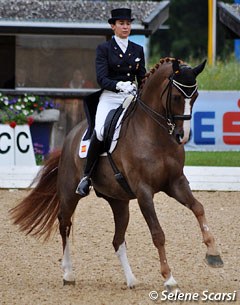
{"points": [[187, 123]]}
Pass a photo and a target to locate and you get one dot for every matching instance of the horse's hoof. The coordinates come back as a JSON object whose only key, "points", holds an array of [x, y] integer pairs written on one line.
{"points": [[132, 283], [214, 261], [171, 286], [172, 289], [70, 283]]}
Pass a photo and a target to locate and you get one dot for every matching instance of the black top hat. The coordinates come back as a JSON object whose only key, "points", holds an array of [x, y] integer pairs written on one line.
{"points": [[120, 14]]}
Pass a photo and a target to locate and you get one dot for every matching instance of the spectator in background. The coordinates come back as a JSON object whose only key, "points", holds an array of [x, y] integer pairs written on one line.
{"points": [[78, 81]]}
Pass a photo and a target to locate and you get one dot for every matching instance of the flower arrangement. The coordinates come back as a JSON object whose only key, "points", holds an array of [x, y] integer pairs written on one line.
{"points": [[19, 110]]}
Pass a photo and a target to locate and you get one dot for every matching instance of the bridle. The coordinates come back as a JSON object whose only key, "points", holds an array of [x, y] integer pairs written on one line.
{"points": [[170, 118]]}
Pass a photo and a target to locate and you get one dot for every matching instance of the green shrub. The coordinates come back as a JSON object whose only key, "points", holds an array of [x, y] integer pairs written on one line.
{"points": [[224, 75]]}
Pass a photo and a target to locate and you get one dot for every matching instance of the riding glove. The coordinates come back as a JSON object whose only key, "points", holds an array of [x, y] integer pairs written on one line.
{"points": [[127, 87]]}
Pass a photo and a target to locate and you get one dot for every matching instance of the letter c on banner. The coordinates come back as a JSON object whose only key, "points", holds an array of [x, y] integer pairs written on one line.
{"points": [[8, 147], [22, 150]]}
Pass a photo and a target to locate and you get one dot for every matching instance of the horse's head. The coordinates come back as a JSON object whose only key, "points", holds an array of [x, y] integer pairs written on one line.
{"points": [[168, 93], [180, 97]]}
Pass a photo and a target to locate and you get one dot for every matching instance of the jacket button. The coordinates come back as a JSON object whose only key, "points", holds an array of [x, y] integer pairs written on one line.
{"points": [[128, 74], [118, 66], [130, 66]]}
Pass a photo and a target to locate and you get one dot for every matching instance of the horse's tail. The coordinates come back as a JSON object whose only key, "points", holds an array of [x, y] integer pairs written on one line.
{"points": [[37, 213]]}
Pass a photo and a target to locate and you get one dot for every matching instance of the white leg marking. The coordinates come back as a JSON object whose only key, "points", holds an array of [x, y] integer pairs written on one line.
{"points": [[171, 285], [122, 255], [67, 264], [186, 124]]}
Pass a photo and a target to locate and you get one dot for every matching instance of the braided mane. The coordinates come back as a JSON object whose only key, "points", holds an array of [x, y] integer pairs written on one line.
{"points": [[156, 67]]}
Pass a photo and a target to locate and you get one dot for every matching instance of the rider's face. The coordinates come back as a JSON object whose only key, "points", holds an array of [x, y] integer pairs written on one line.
{"points": [[122, 28]]}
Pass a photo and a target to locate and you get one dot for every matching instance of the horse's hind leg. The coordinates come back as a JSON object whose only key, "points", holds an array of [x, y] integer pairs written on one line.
{"points": [[67, 208], [120, 210], [180, 190]]}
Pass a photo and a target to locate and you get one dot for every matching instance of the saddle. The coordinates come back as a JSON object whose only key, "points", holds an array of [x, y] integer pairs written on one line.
{"points": [[112, 129], [110, 126]]}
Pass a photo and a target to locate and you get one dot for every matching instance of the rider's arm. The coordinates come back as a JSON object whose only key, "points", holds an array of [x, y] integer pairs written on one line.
{"points": [[102, 69]]}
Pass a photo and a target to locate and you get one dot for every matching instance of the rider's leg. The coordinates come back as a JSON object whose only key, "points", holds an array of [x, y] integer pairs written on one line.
{"points": [[94, 151], [108, 100]]}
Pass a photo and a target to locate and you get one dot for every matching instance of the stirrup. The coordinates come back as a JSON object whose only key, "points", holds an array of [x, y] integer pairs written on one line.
{"points": [[83, 187]]}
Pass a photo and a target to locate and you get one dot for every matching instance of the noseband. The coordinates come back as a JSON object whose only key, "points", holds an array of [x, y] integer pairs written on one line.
{"points": [[169, 117]]}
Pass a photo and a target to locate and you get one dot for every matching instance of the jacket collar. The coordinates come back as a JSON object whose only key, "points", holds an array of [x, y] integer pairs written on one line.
{"points": [[118, 50]]}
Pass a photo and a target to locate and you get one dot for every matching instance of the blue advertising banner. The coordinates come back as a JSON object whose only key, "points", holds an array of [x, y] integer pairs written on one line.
{"points": [[215, 124]]}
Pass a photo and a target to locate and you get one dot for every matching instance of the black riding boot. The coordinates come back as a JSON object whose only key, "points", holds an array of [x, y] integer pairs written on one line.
{"points": [[94, 151]]}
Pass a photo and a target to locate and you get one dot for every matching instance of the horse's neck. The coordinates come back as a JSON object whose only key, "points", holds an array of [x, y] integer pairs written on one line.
{"points": [[151, 109], [152, 93]]}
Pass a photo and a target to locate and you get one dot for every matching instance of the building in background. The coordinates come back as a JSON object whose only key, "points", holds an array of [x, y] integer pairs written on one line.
{"points": [[229, 15], [49, 40], [46, 41]]}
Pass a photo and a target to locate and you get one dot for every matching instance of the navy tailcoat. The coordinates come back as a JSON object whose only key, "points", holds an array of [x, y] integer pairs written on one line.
{"points": [[112, 66]]}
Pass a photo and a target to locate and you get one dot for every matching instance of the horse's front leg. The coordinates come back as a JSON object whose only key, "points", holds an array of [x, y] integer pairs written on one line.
{"points": [[181, 191], [147, 208], [120, 210]]}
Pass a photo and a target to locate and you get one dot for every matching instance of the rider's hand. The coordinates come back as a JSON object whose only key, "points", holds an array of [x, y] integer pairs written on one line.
{"points": [[127, 87]]}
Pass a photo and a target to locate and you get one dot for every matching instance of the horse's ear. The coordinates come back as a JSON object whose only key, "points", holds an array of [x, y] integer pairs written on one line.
{"points": [[175, 66], [197, 70]]}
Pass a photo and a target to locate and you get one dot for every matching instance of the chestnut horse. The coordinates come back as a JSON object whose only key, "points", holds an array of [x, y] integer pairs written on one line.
{"points": [[149, 154]]}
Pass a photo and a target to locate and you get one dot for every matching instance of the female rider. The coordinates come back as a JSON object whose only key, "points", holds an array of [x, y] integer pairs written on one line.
{"points": [[119, 63]]}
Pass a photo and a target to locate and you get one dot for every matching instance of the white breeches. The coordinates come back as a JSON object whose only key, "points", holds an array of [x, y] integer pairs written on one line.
{"points": [[108, 100]]}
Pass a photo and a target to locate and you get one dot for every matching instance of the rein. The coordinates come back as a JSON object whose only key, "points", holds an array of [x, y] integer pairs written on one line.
{"points": [[169, 118], [153, 114]]}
